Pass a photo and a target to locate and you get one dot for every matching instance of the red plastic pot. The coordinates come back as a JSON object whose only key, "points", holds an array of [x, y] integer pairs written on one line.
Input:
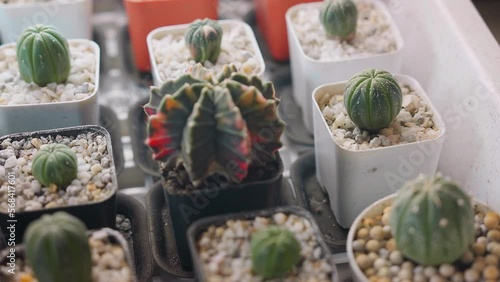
{"points": [[146, 15], [271, 21]]}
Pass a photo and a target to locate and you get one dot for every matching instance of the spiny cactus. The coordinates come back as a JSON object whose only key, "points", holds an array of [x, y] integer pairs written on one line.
{"points": [[203, 39], [43, 55], [55, 164], [339, 18], [275, 251], [214, 123], [432, 221], [373, 99], [58, 250]]}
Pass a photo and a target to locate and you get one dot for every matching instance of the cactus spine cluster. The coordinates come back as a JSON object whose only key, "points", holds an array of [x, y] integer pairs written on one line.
{"points": [[43, 55], [432, 221], [55, 164], [203, 39], [214, 124], [58, 250], [373, 99], [339, 18], [275, 251]]}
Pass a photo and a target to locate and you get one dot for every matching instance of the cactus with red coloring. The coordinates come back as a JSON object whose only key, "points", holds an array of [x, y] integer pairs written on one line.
{"points": [[214, 124]]}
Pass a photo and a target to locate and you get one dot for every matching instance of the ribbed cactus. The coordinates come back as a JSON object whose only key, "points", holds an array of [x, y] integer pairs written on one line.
{"points": [[203, 38], [432, 221], [214, 124], [43, 55], [58, 250], [339, 18], [373, 99], [275, 251], [55, 164]]}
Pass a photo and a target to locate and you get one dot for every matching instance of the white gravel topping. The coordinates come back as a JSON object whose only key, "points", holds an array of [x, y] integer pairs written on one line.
{"points": [[80, 84], [374, 34], [379, 259], [93, 183], [226, 256], [173, 57], [414, 123], [109, 263], [33, 1]]}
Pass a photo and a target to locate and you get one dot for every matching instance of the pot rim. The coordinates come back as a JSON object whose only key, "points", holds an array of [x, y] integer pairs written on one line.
{"points": [[111, 233], [66, 132], [400, 78], [97, 54], [379, 205], [36, 5], [397, 33], [197, 227], [181, 27], [203, 191]]}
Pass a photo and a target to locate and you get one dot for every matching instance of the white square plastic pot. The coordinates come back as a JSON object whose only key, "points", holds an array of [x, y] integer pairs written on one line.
{"points": [[73, 19], [32, 117], [308, 73], [354, 179], [176, 29]]}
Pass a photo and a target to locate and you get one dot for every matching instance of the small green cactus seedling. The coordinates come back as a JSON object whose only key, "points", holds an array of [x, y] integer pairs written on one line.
{"points": [[203, 39], [58, 250], [432, 221], [275, 251], [55, 164], [373, 99], [214, 124], [43, 55], [339, 18]]}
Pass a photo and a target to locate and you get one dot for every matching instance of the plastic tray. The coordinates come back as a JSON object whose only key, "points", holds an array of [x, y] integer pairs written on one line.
{"points": [[109, 120], [139, 244]]}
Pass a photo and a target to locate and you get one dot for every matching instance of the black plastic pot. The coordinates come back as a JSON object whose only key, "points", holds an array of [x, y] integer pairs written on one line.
{"points": [[162, 230], [94, 215], [143, 156], [198, 227], [114, 236], [312, 197], [109, 120], [187, 207], [139, 243]]}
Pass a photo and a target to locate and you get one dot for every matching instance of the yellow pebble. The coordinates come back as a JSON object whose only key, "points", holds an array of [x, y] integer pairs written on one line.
{"points": [[362, 233], [52, 188], [368, 222], [491, 272], [491, 220], [376, 232], [491, 259], [479, 249], [373, 246], [391, 244], [26, 278], [479, 264], [493, 235]]}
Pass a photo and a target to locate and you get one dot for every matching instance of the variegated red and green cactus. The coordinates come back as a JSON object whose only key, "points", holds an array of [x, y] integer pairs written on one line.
{"points": [[211, 123]]}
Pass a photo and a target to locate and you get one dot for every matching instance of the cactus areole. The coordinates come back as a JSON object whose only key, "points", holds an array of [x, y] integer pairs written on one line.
{"points": [[275, 251], [432, 221], [58, 250], [214, 124], [339, 18], [373, 99], [55, 164], [43, 55], [203, 38]]}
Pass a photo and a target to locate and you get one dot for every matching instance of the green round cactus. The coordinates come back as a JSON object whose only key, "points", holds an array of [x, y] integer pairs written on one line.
{"points": [[373, 99], [58, 250], [339, 18], [43, 55], [432, 221], [203, 39], [55, 164], [275, 251]]}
